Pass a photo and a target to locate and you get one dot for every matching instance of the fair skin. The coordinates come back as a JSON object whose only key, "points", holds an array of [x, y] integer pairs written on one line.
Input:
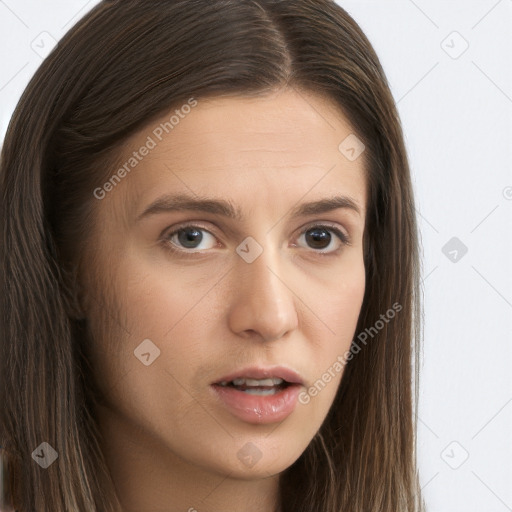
{"points": [[170, 445]]}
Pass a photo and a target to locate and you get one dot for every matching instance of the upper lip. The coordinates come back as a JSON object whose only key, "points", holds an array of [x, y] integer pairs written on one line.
{"points": [[258, 372]]}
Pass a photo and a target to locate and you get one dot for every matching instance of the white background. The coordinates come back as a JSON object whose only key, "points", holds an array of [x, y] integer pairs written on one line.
{"points": [[456, 110]]}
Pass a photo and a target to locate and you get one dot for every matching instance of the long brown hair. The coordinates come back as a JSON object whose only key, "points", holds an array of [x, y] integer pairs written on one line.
{"points": [[123, 65]]}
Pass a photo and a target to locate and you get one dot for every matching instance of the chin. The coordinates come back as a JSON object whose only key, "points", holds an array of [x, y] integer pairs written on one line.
{"points": [[265, 458]]}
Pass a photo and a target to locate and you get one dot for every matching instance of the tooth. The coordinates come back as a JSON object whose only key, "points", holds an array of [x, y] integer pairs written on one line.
{"points": [[258, 382]]}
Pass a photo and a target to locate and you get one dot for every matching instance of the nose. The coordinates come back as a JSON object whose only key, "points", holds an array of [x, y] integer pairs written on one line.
{"points": [[263, 303]]}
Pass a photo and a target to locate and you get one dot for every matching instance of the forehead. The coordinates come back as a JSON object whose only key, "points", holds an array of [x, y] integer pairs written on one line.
{"points": [[287, 141]]}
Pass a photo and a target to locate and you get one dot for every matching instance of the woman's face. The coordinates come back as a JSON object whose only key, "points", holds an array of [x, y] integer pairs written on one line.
{"points": [[272, 290]]}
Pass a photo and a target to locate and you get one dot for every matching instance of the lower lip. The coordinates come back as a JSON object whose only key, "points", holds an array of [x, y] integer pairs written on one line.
{"points": [[259, 408]]}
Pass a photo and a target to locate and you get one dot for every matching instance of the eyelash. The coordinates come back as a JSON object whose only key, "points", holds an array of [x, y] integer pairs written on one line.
{"points": [[171, 247]]}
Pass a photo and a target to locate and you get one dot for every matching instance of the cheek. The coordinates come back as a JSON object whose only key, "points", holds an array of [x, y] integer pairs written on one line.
{"points": [[338, 305], [164, 327], [347, 299], [157, 300], [142, 306]]}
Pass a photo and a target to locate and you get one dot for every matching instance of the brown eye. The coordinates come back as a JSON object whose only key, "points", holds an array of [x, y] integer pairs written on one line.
{"points": [[321, 238], [318, 238]]}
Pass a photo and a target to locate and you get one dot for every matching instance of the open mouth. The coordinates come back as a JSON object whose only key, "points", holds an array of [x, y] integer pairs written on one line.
{"points": [[259, 395], [260, 387]]}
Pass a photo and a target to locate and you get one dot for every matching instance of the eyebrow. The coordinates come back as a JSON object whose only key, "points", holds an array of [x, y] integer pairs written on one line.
{"points": [[184, 202]]}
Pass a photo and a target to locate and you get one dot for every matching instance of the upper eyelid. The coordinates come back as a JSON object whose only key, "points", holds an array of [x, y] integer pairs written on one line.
{"points": [[198, 224]]}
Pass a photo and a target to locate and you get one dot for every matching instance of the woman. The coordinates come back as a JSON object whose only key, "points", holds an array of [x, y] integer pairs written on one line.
{"points": [[268, 367]]}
